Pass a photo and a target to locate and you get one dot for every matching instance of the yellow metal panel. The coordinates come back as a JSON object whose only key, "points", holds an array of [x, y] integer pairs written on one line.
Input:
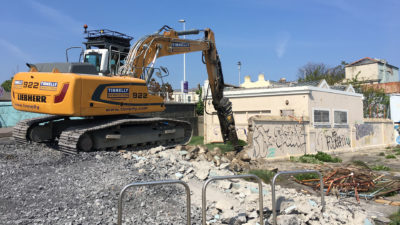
{"points": [[87, 95]]}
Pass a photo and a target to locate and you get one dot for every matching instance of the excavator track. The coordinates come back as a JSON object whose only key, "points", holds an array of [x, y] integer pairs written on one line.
{"points": [[69, 141], [21, 129], [108, 133]]}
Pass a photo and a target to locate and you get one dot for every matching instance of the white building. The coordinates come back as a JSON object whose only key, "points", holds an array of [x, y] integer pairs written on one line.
{"points": [[373, 70], [191, 96]]}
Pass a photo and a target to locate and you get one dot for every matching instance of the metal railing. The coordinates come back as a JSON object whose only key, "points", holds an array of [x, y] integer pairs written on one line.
{"points": [[151, 183], [294, 172], [204, 200]]}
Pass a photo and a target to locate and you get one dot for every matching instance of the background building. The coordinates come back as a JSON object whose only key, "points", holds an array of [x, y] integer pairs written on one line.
{"points": [[372, 70], [316, 102], [302, 118], [191, 96]]}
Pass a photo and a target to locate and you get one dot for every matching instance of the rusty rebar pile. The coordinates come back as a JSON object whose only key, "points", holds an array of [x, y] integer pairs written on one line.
{"points": [[344, 181]]}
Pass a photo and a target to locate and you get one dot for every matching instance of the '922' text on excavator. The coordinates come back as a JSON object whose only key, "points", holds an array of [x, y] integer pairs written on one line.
{"points": [[108, 88]]}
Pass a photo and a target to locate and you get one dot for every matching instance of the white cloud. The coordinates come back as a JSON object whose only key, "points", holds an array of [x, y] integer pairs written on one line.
{"points": [[15, 50], [57, 16], [282, 44]]}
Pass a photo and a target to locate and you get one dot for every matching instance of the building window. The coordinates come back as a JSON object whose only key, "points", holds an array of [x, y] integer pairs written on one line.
{"points": [[340, 117], [287, 112], [321, 117], [189, 98]]}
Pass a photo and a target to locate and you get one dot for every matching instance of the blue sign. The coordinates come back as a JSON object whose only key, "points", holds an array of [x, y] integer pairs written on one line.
{"points": [[180, 44], [117, 92], [185, 87]]}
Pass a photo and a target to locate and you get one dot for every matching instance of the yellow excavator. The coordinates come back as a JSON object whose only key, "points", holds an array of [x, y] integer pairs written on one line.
{"points": [[92, 108]]}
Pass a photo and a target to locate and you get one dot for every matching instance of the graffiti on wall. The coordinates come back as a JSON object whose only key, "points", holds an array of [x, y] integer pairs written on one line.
{"points": [[331, 139], [363, 130], [271, 140]]}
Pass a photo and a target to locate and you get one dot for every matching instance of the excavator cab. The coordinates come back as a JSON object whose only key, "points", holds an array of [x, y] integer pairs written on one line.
{"points": [[106, 51]]}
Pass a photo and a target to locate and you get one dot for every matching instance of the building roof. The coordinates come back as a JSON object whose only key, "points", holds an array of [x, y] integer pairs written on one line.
{"points": [[369, 60], [314, 83], [293, 88]]}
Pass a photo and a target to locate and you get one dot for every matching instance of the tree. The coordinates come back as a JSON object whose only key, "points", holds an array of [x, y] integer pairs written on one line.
{"points": [[161, 90], [167, 88], [154, 87], [319, 71], [200, 103], [7, 85]]}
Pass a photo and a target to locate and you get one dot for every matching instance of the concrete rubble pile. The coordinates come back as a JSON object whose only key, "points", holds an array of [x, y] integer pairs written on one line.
{"points": [[237, 200]]}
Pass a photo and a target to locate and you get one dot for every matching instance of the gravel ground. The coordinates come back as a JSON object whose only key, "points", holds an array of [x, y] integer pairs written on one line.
{"points": [[43, 186], [40, 185]]}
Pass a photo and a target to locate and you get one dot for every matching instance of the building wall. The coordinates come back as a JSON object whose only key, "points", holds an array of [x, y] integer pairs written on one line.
{"points": [[395, 107], [365, 72], [388, 74], [373, 71], [325, 100], [329, 139], [281, 138], [9, 116], [388, 88], [295, 102], [277, 138], [246, 107], [191, 97]]}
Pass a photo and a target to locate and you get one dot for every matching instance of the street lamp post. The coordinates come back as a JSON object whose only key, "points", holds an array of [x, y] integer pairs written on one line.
{"points": [[239, 65], [184, 63]]}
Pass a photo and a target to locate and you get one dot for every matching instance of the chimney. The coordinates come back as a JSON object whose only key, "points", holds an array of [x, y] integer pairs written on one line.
{"points": [[282, 80]]}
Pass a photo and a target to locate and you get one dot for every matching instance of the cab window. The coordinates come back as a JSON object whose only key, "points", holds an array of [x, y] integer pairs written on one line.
{"points": [[94, 59]]}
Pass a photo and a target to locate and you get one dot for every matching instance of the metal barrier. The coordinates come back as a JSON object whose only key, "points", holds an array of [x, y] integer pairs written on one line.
{"points": [[294, 172], [232, 177], [187, 189]]}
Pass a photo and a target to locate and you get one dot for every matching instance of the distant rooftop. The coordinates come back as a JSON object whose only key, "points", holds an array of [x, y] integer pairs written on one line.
{"points": [[369, 60]]}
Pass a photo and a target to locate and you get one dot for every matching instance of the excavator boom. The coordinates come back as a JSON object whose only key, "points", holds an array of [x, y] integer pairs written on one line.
{"points": [[149, 48]]}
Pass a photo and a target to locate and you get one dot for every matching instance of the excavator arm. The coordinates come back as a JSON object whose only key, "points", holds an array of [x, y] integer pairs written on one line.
{"points": [[142, 56]]}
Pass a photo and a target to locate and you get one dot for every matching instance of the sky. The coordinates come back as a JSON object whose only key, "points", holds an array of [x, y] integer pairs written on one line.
{"points": [[275, 38]]}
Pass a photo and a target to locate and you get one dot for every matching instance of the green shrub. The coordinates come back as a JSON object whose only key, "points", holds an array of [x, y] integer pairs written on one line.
{"points": [[390, 157], [360, 164], [322, 156], [306, 176], [381, 154], [395, 218], [397, 148], [265, 175], [197, 140], [380, 167], [318, 158]]}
